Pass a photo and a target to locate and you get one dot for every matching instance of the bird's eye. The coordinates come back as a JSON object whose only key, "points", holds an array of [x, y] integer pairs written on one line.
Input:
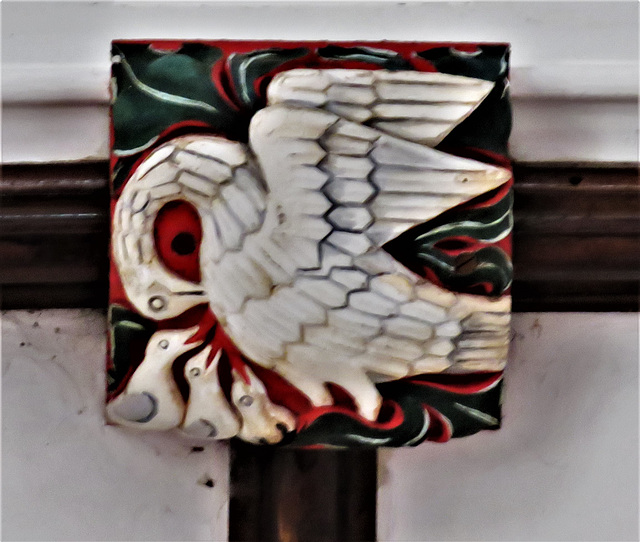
{"points": [[157, 303], [183, 244], [164, 344], [195, 372]]}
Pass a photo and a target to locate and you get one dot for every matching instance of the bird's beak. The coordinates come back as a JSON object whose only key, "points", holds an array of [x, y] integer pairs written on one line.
{"points": [[184, 337]]}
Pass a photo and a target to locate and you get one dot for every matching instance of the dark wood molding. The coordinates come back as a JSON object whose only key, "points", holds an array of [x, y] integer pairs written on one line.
{"points": [[576, 236], [54, 234]]}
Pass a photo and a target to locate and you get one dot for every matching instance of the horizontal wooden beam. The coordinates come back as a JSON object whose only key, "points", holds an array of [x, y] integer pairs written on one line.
{"points": [[576, 236]]}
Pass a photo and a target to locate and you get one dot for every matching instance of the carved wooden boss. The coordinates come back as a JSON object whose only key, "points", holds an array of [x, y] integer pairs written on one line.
{"points": [[311, 241]]}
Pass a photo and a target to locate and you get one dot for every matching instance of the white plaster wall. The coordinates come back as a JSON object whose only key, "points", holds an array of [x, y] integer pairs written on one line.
{"points": [[67, 476], [564, 466]]}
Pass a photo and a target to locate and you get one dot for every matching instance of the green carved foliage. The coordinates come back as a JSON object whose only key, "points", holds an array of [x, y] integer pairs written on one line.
{"points": [[489, 126], [130, 334], [154, 90]]}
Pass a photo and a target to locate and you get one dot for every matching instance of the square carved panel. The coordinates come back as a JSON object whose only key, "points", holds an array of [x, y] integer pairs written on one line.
{"points": [[310, 241]]}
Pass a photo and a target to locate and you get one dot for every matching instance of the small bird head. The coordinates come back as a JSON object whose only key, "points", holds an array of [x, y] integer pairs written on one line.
{"points": [[164, 347], [263, 422]]}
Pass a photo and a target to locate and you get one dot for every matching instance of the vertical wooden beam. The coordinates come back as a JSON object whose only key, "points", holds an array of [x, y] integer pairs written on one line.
{"points": [[296, 495]]}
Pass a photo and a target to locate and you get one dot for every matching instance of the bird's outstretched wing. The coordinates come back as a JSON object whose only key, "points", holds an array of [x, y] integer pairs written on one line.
{"points": [[341, 190], [366, 186], [416, 106]]}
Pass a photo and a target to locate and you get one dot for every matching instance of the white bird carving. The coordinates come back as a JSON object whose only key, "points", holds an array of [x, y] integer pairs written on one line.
{"points": [[251, 415], [208, 411], [338, 163], [152, 398]]}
